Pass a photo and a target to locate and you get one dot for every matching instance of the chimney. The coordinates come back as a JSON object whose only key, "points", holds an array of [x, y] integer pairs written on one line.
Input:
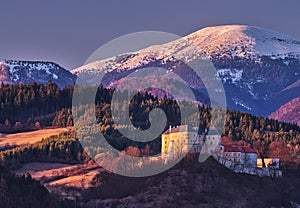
{"points": [[170, 129]]}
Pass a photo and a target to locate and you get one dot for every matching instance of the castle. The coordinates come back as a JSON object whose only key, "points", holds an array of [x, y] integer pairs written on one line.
{"points": [[178, 141], [237, 157]]}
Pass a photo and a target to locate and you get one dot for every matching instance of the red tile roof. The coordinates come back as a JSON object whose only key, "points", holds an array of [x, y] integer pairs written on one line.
{"points": [[236, 148], [233, 148], [248, 149]]}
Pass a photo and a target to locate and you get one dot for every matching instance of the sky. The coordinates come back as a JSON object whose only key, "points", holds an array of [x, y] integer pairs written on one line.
{"points": [[68, 32]]}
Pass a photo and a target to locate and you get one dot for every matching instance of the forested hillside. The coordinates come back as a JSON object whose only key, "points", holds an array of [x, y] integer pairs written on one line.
{"points": [[31, 103], [59, 148], [21, 106]]}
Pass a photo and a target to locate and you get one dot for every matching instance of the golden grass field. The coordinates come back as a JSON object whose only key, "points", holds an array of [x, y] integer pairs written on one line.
{"points": [[76, 176], [83, 180], [24, 138]]}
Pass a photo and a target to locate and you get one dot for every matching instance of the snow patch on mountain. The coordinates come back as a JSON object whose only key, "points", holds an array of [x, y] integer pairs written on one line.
{"points": [[230, 74], [211, 42], [240, 102], [254, 64], [15, 72]]}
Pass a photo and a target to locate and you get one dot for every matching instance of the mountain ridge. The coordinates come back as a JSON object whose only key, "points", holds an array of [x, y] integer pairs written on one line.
{"points": [[259, 68], [19, 71], [208, 41], [254, 64]]}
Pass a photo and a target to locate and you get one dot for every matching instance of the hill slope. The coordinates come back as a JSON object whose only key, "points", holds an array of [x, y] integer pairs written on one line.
{"points": [[289, 112], [194, 184]]}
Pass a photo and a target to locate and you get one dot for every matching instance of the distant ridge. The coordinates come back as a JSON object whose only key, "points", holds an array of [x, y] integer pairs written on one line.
{"points": [[256, 65], [15, 72]]}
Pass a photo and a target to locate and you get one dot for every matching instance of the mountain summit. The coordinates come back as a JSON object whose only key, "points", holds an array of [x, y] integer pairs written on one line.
{"points": [[229, 41], [244, 42], [258, 67]]}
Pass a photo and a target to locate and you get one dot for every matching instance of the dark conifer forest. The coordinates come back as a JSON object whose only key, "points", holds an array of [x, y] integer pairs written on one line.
{"points": [[32, 106]]}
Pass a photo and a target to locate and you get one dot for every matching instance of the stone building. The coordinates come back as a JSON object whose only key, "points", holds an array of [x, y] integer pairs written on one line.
{"points": [[178, 141], [211, 142], [237, 157]]}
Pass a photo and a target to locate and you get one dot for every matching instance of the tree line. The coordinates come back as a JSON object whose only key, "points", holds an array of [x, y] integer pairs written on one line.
{"points": [[269, 137], [58, 148], [23, 105], [33, 101]]}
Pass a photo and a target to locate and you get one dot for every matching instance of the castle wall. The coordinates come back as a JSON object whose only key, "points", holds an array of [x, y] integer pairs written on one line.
{"points": [[251, 160]]}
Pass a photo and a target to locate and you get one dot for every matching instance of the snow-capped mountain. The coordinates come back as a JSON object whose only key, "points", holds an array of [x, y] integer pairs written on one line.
{"points": [[256, 65], [216, 42], [15, 72]]}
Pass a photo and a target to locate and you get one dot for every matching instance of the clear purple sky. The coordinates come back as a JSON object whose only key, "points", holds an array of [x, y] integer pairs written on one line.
{"points": [[69, 31]]}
